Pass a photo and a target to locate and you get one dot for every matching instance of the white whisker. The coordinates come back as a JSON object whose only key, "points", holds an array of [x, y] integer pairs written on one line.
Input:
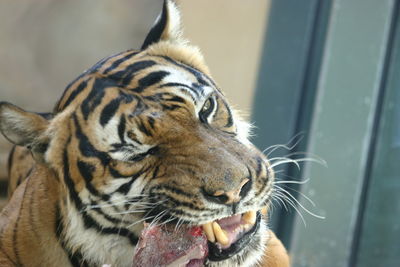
{"points": [[301, 193], [291, 182], [283, 160], [284, 146], [289, 195], [281, 202], [288, 200]]}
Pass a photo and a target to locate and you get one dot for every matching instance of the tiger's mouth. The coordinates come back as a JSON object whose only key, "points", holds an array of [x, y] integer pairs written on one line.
{"points": [[194, 246], [228, 236]]}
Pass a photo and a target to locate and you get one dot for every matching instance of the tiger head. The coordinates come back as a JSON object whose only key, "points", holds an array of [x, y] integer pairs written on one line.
{"points": [[147, 135]]}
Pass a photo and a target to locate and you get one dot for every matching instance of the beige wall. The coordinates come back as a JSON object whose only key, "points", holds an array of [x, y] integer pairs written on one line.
{"points": [[46, 43]]}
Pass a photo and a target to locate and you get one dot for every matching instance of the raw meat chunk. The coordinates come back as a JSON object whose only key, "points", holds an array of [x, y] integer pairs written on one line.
{"points": [[166, 246]]}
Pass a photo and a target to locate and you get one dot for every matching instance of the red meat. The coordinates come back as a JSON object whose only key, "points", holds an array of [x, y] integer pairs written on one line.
{"points": [[166, 246]]}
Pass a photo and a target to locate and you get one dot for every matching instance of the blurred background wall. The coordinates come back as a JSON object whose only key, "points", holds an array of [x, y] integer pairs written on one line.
{"points": [[47, 43]]}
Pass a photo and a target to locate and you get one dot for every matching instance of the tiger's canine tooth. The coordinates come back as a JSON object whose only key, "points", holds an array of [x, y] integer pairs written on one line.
{"points": [[208, 230], [220, 234], [250, 217]]}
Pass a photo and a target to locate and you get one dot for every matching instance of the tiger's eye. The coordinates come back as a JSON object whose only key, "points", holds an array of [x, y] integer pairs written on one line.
{"points": [[206, 106], [207, 109]]}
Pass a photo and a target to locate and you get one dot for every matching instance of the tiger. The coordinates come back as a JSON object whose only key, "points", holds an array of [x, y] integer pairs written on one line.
{"points": [[143, 136]]}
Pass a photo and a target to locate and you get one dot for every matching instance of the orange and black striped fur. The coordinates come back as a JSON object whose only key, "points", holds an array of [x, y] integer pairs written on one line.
{"points": [[143, 135]]}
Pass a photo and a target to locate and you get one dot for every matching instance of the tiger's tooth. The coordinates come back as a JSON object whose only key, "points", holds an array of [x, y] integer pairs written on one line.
{"points": [[220, 234], [208, 230], [249, 217]]}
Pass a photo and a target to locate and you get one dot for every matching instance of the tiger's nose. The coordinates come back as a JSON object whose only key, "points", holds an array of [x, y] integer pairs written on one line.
{"points": [[229, 197]]}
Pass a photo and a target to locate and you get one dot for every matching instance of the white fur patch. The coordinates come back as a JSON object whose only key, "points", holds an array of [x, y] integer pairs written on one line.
{"points": [[98, 249]]}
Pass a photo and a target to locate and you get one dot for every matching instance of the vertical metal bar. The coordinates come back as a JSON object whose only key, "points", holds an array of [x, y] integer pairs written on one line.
{"points": [[388, 63], [341, 130]]}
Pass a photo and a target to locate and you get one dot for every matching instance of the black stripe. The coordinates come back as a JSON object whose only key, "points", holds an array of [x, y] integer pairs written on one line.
{"points": [[86, 148], [201, 77], [151, 122], [259, 167], [96, 95], [170, 107], [124, 188], [151, 79], [109, 111], [75, 93], [171, 189], [58, 106], [166, 97], [176, 98], [100, 64], [155, 172], [86, 170], [116, 174], [205, 215], [123, 77], [246, 188], [109, 218], [129, 73], [96, 67], [121, 128], [89, 222], [111, 108], [143, 128], [196, 87], [118, 62], [179, 203], [76, 257], [68, 181]]}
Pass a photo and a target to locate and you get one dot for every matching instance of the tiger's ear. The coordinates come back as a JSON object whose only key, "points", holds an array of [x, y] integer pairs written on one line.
{"points": [[23, 128], [166, 27]]}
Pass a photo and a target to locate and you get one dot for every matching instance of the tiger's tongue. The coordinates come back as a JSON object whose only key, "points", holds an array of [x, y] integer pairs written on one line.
{"points": [[230, 221], [231, 227], [165, 246]]}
